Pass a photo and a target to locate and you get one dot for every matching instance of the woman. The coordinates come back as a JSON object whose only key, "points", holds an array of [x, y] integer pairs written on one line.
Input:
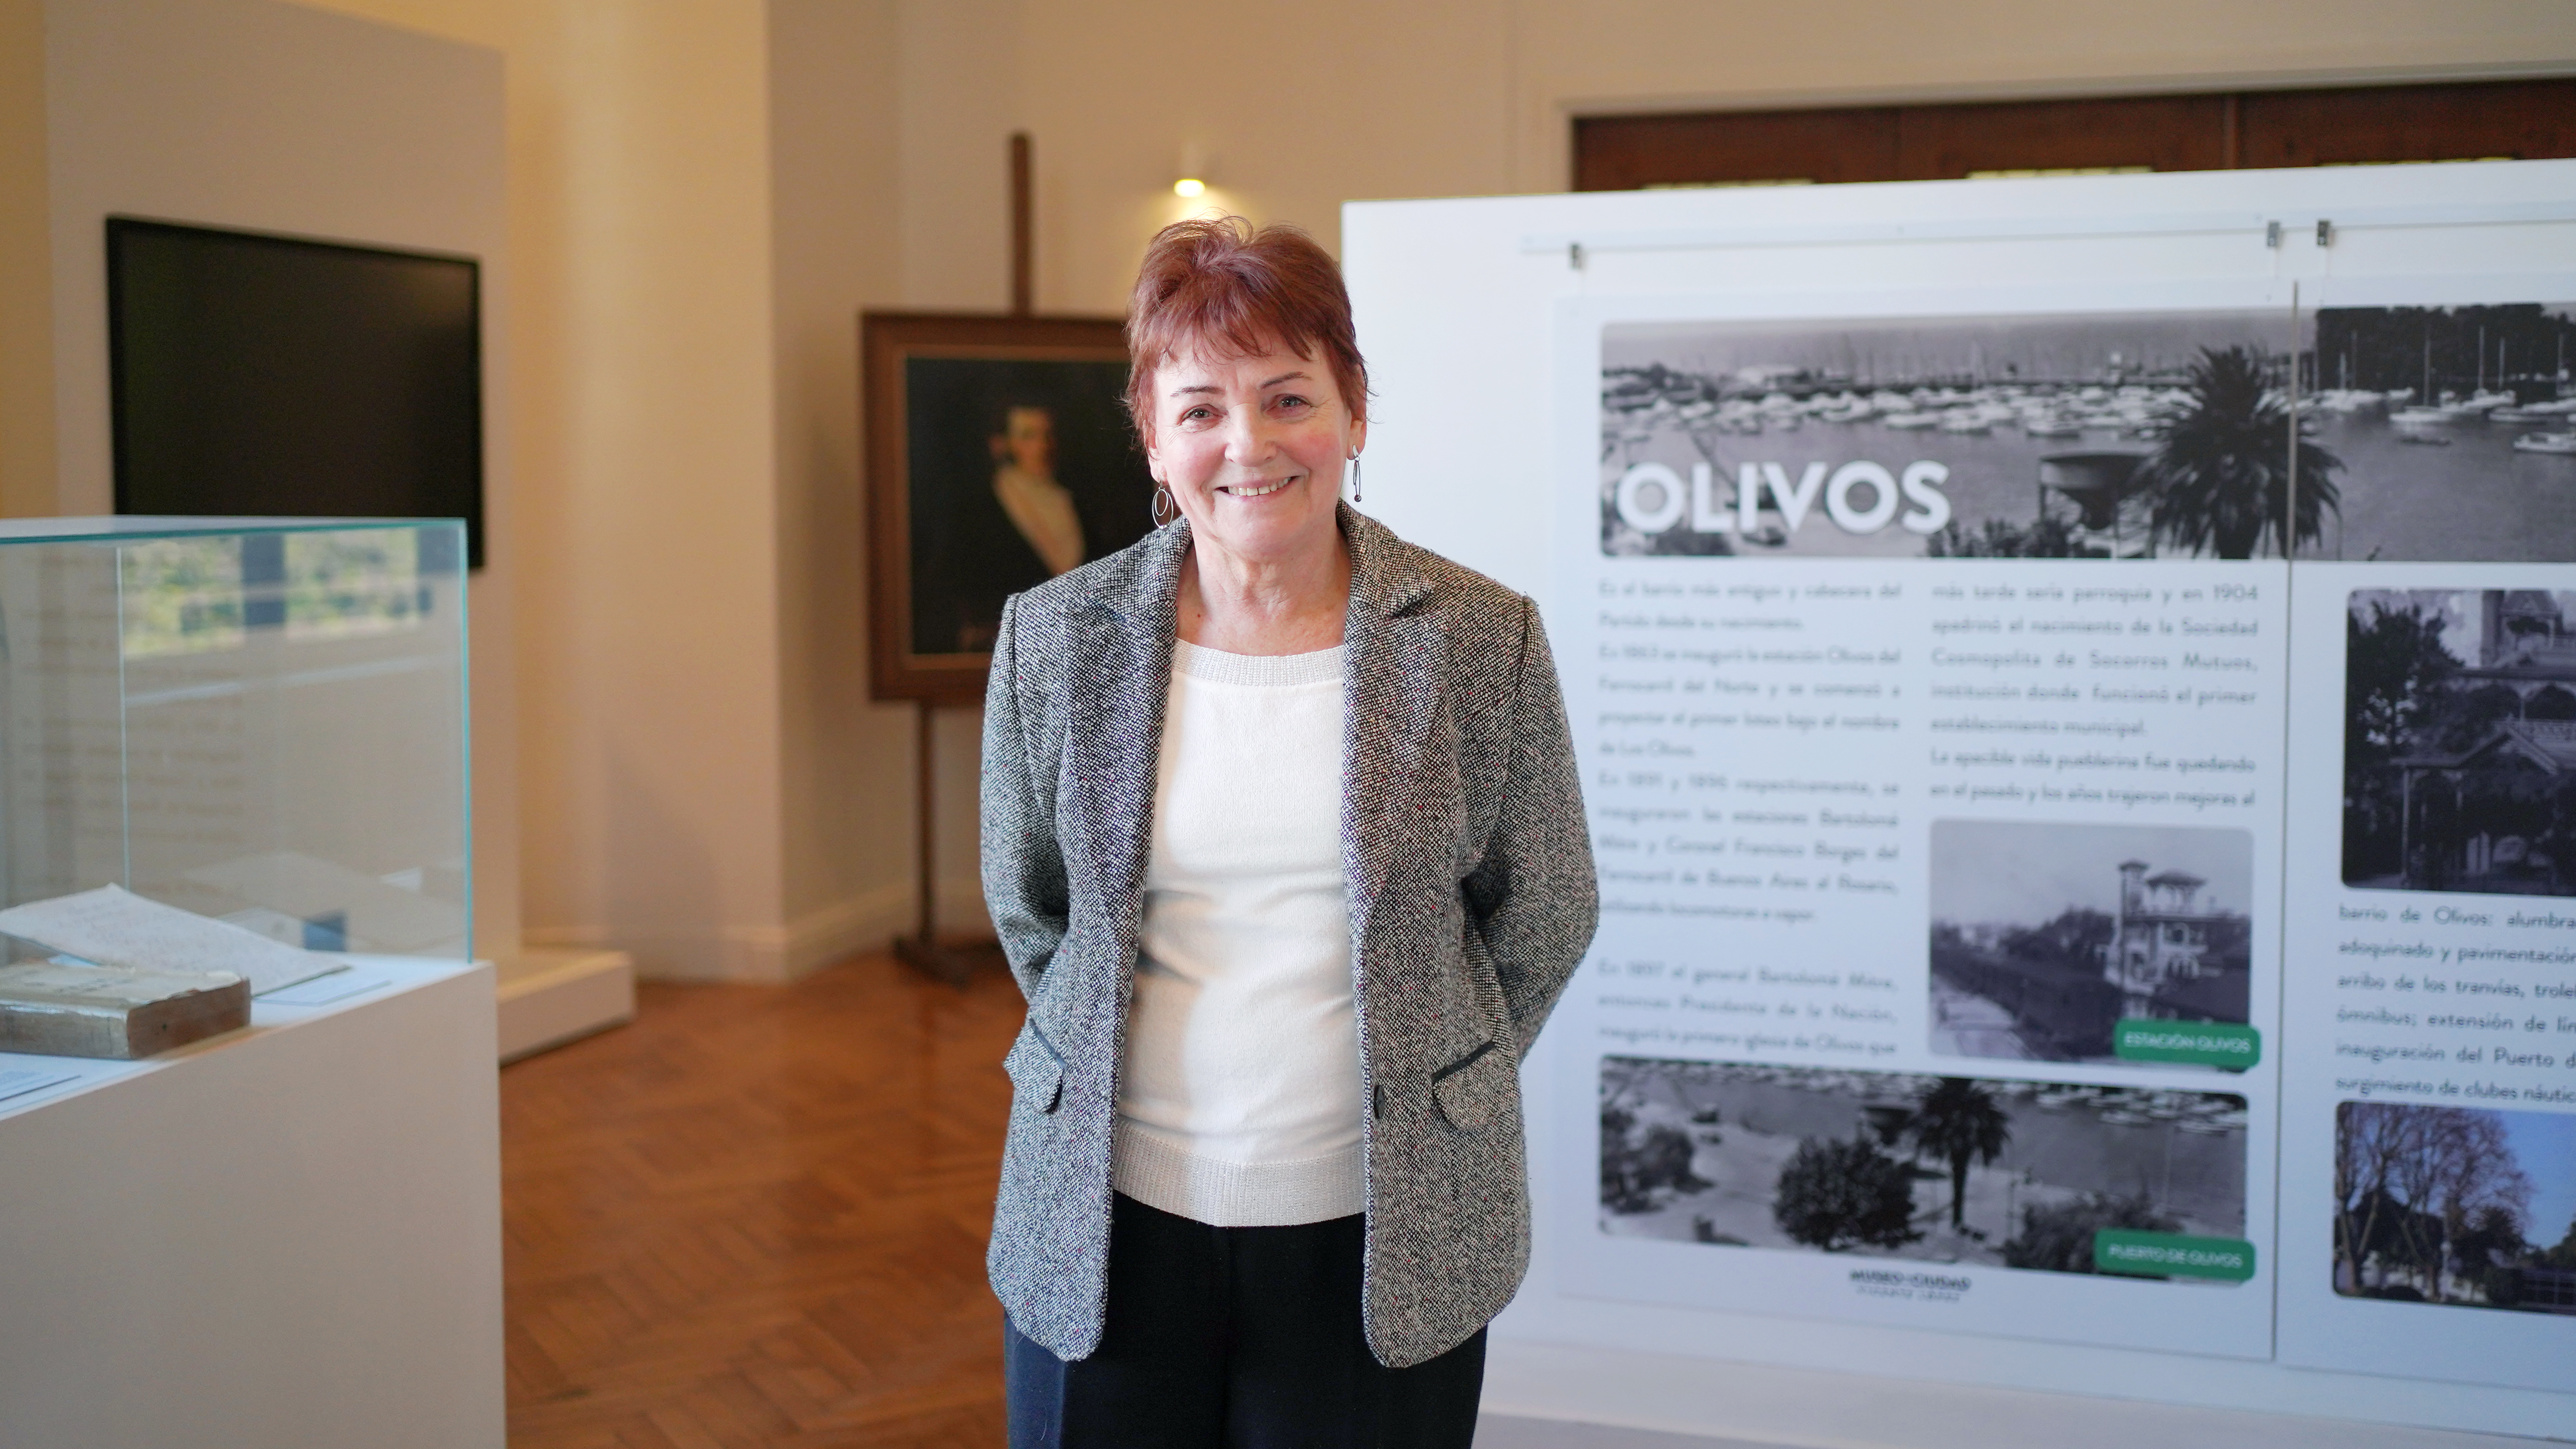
{"points": [[1283, 838]]}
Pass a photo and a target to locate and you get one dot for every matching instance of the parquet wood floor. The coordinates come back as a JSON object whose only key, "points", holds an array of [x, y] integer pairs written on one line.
{"points": [[757, 1217]]}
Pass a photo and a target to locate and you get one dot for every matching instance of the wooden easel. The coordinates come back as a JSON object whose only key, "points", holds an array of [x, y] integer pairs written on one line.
{"points": [[922, 949]]}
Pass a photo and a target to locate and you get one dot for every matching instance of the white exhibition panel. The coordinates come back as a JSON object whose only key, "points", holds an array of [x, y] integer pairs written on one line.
{"points": [[1492, 328], [289, 1234]]}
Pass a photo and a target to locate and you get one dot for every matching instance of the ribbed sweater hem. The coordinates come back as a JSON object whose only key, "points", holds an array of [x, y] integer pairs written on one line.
{"points": [[1235, 1194]]}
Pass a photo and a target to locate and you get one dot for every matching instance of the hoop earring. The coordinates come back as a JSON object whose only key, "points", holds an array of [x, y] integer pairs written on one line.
{"points": [[1166, 507], [1355, 477]]}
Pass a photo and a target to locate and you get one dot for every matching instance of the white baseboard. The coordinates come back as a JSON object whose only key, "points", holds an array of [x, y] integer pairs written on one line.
{"points": [[869, 920], [547, 998], [775, 955]]}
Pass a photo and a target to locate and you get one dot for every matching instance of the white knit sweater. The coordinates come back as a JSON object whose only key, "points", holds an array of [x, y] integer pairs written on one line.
{"points": [[1240, 1101]]}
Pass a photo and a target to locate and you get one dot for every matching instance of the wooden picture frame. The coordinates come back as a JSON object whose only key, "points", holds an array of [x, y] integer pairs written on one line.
{"points": [[998, 452]]}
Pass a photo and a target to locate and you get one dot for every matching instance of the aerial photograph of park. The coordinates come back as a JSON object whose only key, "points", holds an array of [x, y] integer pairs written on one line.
{"points": [[2013, 1174]]}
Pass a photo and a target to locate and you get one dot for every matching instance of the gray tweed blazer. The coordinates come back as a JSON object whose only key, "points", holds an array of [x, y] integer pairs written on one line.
{"points": [[1472, 898]]}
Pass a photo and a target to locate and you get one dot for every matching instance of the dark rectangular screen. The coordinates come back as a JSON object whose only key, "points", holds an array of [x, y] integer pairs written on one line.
{"points": [[266, 375]]}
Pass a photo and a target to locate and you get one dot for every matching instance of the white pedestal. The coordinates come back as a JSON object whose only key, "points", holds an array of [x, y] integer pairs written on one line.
{"points": [[548, 998], [290, 1235]]}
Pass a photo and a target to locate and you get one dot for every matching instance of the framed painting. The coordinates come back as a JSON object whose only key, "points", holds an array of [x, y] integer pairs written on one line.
{"points": [[998, 455]]}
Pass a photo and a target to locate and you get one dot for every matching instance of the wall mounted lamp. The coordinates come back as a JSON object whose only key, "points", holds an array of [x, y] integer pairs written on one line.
{"points": [[1195, 170]]}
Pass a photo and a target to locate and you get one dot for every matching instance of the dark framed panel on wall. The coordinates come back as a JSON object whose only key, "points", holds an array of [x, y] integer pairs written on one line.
{"points": [[2517, 120], [261, 374], [999, 455]]}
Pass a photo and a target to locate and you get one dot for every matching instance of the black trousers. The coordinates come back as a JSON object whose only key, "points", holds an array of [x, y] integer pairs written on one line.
{"points": [[1236, 1338]]}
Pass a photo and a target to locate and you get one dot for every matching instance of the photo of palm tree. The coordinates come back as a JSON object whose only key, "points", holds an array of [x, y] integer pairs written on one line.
{"points": [[2223, 481], [2005, 1173], [2167, 435]]}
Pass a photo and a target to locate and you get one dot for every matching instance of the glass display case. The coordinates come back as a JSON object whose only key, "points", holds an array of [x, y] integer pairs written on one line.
{"points": [[258, 720]]}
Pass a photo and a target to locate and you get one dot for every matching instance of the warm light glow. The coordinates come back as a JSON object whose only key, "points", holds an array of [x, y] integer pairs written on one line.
{"points": [[1189, 186]]}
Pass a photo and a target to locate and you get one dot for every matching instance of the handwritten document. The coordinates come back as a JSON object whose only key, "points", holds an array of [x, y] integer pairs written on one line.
{"points": [[112, 926]]}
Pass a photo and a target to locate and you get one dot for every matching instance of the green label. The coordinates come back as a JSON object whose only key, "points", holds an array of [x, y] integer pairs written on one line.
{"points": [[2172, 1255], [2200, 1043]]}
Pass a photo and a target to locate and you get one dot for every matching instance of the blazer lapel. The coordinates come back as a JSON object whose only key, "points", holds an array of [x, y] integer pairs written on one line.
{"points": [[1391, 701], [1125, 677]]}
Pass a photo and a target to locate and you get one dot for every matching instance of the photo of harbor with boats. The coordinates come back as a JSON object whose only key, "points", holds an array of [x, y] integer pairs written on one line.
{"points": [[2004, 1173], [2163, 435], [2454, 428]]}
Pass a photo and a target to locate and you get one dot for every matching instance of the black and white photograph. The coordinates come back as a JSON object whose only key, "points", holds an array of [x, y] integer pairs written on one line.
{"points": [[2459, 736], [2163, 435], [2046, 936], [2458, 1206], [2453, 430], [2444, 433], [2011, 1174]]}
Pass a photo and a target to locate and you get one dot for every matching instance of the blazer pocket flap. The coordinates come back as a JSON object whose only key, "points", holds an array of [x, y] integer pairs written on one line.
{"points": [[1476, 1091], [1036, 1072]]}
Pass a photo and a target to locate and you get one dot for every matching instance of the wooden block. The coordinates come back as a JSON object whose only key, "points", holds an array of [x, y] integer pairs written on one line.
{"points": [[111, 1011]]}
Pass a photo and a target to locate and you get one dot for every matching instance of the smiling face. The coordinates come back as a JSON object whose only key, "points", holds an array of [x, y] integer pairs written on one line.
{"points": [[1252, 448]]}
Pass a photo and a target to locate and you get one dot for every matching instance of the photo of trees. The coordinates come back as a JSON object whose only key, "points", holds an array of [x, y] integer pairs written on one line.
{"points": [[2459, 732], [2455, 1205], [2003, 1173]]}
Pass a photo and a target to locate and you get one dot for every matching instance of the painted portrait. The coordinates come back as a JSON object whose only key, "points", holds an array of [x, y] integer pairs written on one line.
{"points": [[1000, 457]]}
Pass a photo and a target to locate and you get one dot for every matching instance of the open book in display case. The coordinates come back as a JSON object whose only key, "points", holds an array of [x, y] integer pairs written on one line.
{"points": [[261, 722]]}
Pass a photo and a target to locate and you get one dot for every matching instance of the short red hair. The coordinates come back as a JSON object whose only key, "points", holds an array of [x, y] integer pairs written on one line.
{"points": [[1217, 285]]}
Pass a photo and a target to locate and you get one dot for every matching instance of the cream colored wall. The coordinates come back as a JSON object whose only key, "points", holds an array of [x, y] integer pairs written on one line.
{"points": [[1347, 99], [961, 99], [835, 148], [26, 269], [643, 425]]}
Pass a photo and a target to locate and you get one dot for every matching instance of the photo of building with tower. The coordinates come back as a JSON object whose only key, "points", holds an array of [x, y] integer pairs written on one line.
{"points": [[2460, 741], [2044, 937], [2162, 950]]}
